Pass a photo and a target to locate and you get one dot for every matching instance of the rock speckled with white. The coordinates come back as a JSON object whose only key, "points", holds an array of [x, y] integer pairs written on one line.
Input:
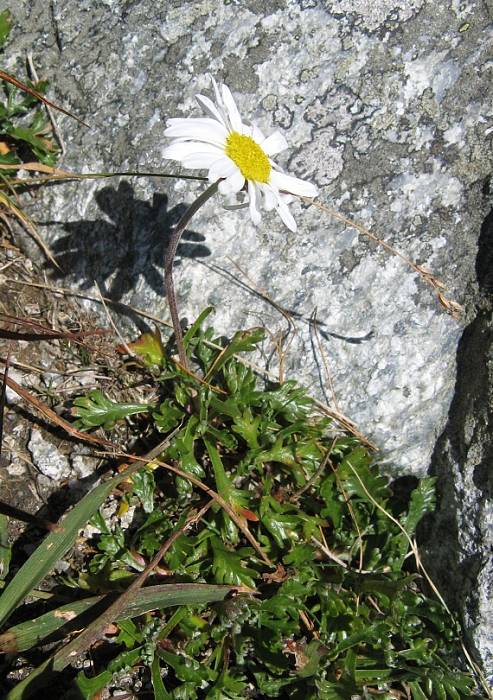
{"points": [[46, 457]]}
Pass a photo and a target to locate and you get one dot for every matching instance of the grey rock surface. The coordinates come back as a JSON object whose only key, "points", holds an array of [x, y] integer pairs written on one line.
{"points": [[47, 458], [387, 107], [460, 539]]}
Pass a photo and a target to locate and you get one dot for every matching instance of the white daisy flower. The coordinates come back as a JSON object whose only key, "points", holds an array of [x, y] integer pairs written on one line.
{"points": [[239, 153]]}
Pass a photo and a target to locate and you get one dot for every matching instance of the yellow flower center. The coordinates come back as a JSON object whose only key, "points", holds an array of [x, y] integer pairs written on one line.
{"points": [[248, 156]]}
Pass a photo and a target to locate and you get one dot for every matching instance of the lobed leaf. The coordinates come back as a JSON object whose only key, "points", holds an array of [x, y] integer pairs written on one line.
{"points": [[96, 410]]}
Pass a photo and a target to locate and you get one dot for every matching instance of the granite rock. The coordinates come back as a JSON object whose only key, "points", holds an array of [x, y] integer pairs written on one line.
{"points": [[386, 105], [460, 536], [47, 459]]}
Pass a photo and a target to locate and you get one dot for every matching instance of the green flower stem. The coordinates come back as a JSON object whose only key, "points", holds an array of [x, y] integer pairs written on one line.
{"points": [[168, 267]]}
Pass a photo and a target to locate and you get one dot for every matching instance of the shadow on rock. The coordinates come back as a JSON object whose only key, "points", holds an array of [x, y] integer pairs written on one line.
{"points": [[127, 244], [456, 539], [484, 260]]}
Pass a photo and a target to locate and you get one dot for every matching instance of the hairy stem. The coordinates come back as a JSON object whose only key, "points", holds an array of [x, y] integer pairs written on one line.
{"points": [[168, 267]]}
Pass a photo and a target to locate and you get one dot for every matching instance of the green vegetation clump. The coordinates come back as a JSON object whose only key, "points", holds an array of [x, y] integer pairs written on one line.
{"points": [[25, 132], [340, 613]]}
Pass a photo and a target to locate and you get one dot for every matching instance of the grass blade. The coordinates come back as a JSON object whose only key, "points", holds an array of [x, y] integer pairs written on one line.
{"points": [[55, 546], [74, 616]]}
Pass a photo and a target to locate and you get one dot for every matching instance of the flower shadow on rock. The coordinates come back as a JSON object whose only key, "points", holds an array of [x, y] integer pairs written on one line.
{"points": [[128, 244]]}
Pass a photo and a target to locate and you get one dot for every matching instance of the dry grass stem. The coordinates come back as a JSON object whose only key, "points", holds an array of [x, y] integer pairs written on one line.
{"points": [[48, 108], [328, 376], [452, 307]]}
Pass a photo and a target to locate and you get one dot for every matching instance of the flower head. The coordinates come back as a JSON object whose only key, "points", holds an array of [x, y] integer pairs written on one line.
{"points": [[238, 154]]}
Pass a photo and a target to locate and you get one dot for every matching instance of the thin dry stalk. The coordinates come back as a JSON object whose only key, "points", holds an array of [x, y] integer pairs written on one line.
{"points": [[168, 267], [351, 513], [31, 91], [49, 110], [452, 307], [16, 212], [328, 375], [128, 350]]}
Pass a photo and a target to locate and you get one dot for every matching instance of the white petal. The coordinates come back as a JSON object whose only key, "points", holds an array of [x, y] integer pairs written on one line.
{"points": [[286, 215], [232, 184], [254, 212], [207, 130], [233, 113], [219, 99], [287, 198], [220, 103], [209, 106], [203, 161], [256, 134], [183, 149], [222, 167], [294, 185], [270, 198], [275, 143]]}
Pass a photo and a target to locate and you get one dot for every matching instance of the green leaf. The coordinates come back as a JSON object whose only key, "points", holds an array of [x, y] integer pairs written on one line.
{"points": [[311, 659], [228, 687], [160, 692], [300, 555], [241, 383], [96, 410], [281, 524], [187, 668], [67, 618], [334, 507], [5, 26], [370, 634], [416, 691], [270, 685], [246, 425], [90, 686], [422, 501], [227, 566], [168, 416], [360, 479], [143, 486], [242, 341], [129, 634], [195, 327], [418, 651], [223, 484], [43, 148], [344, 689], [149, 347]]}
